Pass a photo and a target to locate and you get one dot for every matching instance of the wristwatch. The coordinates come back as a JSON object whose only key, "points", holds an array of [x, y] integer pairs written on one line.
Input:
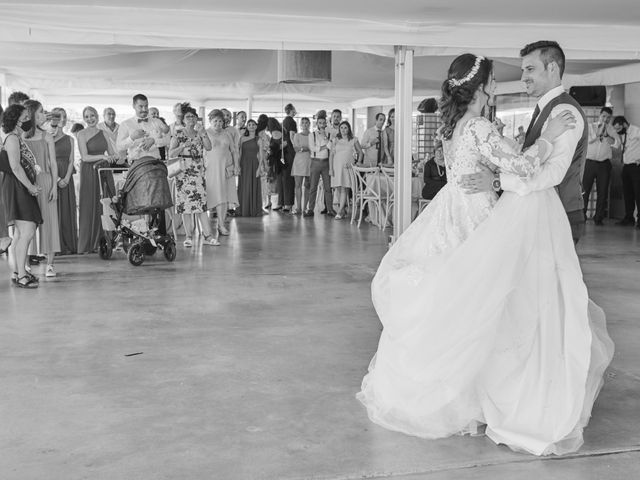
{"points": [[495, 184]]}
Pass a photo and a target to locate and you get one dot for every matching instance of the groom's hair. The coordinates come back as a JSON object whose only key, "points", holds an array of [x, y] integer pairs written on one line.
{"points": [[550, 51]]}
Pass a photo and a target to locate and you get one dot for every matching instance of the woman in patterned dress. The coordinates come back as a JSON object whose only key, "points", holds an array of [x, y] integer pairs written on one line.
{"points": [[191, 195]]}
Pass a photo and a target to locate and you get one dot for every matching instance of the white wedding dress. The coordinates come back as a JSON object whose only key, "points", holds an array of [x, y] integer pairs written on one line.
{"points": [[486, 317]]}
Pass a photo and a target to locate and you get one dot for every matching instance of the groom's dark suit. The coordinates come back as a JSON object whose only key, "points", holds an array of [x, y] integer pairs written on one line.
{"points": [[570, 188]]}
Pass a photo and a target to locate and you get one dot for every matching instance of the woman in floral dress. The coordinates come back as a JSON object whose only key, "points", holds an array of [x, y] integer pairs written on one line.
{"points": [[191, 194]]}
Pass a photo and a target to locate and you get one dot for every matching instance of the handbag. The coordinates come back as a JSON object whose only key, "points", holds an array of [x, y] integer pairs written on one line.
{"points": [[174, 167], [5, 166]]}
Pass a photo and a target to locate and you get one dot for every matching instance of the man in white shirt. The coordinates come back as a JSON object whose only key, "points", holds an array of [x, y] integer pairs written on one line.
{"points": [[542, 70], [372, 143], [334, 126], [110, 129], [139, 135], [319, 147], [629, 136], [602, 137]]}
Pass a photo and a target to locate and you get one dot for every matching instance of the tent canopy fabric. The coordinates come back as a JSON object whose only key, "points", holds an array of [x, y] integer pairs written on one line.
{"points": [[209, 51]]}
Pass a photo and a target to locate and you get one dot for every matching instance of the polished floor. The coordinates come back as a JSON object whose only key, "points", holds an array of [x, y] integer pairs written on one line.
{"points": [[242, 362]]}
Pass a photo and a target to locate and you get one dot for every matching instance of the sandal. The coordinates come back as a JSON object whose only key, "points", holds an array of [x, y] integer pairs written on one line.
{"points": [[28, 282], [211, 240], [6, 249], [14, 277]]}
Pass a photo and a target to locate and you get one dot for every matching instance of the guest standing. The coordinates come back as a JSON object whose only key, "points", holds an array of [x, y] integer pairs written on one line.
{"points": [[334, 125], [319, 147], [43, 148], [67, 206], [388, 139], [285, 183], [19, 194], [435, 174], [263, 151], [249, 188], [343, 150], [275, 157], [94, 147], [602, 137], [372, 143], [141, 136], [191, 194], [630, 149], [221, 167], [240, 122], [301, 169], [110, 129]]}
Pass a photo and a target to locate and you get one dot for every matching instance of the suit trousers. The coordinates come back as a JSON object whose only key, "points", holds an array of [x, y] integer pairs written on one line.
{"points": [[631, 190], [601, 173], [285, 187], [320, 166]]}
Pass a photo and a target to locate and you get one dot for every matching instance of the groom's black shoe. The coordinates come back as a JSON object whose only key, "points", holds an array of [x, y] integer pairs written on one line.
{"points": [[599, 223], [625, 222]]}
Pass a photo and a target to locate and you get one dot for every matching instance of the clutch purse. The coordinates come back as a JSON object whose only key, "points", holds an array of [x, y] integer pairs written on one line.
{"points": [[174, 167]]}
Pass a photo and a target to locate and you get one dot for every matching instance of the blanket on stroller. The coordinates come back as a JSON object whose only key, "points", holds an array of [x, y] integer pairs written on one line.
{"points": [[146, 188]]}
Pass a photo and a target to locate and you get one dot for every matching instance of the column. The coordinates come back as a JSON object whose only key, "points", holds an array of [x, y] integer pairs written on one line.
{"points": [[403, 105]]}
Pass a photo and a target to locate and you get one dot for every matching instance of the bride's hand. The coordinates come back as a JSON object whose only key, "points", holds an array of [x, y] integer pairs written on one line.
{"points": [[559, 124]]}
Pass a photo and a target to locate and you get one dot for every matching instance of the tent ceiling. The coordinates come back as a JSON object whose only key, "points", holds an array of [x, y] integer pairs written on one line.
{"points": [[205, 51]]}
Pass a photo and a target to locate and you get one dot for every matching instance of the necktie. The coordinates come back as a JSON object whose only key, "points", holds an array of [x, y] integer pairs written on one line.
{"points": [[536, 112], [140, 120], [379, 146]]}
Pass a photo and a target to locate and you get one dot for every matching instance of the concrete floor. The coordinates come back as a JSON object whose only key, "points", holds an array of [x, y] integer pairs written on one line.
{"points": [[250, 355]]}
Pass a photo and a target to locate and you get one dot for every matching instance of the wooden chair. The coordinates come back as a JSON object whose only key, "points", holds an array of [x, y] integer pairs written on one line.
{"points": [[388, 190], [366, 191]]}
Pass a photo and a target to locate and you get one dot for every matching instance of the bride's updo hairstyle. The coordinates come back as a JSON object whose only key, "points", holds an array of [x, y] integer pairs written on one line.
{"points": [[466, 73]]}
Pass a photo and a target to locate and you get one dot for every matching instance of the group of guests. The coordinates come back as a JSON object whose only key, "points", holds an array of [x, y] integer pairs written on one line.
{"points": [[37, 191], [299, 157], [606, 135]]}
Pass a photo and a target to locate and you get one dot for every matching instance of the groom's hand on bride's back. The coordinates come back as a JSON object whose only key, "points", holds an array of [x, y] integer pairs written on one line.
{"points": [[481, 181]]}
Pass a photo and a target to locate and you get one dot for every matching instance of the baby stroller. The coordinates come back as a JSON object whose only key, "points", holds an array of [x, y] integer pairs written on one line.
{"points": [[133, 203]]}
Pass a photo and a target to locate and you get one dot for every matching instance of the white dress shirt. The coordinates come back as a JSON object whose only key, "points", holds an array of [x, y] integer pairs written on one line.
{"points": [[553, 171], [317, 140], [631, 143], [368, 144], [599, 149], [112, 137], [153, 128]]}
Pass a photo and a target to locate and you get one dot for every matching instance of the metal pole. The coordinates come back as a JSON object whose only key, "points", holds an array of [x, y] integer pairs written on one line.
{"points": [[402, 177]]}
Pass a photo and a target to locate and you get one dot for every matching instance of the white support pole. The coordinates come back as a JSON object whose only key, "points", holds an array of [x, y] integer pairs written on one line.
{"points": [[249, 108], [404, 97]]}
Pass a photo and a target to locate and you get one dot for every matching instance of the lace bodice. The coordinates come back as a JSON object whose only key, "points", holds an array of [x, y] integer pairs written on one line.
{"points": [[479, 143]]}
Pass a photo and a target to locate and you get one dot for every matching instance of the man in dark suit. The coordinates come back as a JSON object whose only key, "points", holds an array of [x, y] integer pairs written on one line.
{"points": [[542, 69]]}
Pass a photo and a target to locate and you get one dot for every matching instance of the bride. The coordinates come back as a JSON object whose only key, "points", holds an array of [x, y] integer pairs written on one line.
{"points": [[486, 318]]}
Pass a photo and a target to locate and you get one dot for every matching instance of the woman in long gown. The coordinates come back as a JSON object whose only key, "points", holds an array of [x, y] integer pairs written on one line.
{"points": [[249, 183], [221, 167], [42, 146], [486, 316], [94, 147], [67, 206]]}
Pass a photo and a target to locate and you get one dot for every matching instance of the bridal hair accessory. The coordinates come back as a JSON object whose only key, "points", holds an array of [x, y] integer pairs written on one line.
{"points": [[472, 73]]}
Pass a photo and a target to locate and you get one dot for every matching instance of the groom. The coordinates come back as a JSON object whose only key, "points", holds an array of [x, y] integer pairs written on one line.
{"points": [[542, 69]]}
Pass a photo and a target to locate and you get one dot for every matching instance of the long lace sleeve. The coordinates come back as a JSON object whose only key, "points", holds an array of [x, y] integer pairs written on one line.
{"points": [[494, 148]]}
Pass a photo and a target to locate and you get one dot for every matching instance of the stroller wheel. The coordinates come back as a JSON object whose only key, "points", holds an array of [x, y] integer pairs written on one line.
{"points": [[105, 249], [170, 251], [136, 254]]}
